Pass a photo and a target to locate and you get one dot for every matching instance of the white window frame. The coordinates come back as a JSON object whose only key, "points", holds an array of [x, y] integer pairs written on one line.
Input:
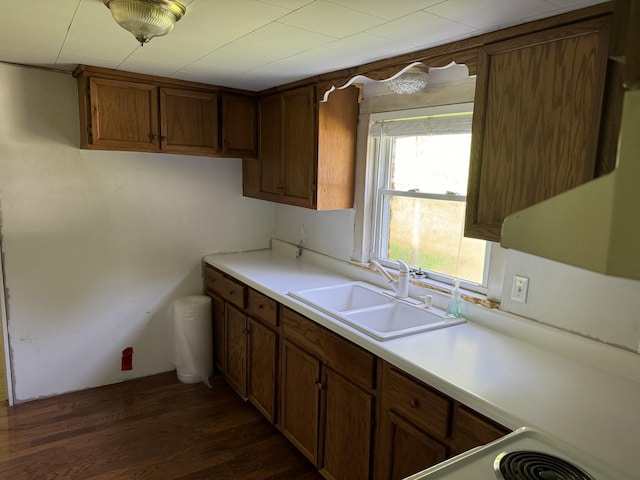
{"points": [[380, 150]]}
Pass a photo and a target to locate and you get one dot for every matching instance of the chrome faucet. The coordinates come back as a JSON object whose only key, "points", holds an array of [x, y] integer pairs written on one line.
{"points": [[401, 285]]}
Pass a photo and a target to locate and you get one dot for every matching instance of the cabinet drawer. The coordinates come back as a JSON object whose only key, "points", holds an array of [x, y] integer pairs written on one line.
{"points": [[261, 307], [227, 288], [212, 280], [341, 355], [416, 402], [471, 430]]}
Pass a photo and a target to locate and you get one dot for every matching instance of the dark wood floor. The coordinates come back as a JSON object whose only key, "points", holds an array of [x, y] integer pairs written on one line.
{"points": [[151, 428]]}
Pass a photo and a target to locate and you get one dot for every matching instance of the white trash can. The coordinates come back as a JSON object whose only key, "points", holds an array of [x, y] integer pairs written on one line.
{"points": [[193, 337]]}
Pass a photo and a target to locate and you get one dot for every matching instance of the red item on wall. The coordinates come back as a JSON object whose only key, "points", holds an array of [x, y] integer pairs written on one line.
{"points": [[127, 358]]}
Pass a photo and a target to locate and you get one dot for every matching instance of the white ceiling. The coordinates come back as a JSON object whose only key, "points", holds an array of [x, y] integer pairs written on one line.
{"points": [[254, 44]]}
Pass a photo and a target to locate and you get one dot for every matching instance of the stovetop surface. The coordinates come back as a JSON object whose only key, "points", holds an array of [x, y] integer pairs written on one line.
{"points": [[478, 464], [536, 465]]}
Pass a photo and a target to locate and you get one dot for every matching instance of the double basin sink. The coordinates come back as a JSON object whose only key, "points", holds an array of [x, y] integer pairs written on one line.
{"points": [[373, 311]]}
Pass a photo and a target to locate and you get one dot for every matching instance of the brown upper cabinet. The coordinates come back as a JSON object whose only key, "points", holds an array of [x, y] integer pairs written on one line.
{"points": [[122, 115], [239, 128], [132, 112], [307, 149], [536, 120], [188, 122]]}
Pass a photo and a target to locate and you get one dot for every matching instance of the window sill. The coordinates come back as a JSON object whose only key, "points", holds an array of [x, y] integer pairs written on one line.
{"points": [[440, 287]]}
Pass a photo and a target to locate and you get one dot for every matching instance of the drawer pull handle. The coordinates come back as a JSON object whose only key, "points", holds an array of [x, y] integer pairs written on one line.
{"points": [[414, 403]]}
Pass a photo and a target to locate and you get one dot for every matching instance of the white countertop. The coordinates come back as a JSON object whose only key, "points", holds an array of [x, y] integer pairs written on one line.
{"points": [[506, 379]]}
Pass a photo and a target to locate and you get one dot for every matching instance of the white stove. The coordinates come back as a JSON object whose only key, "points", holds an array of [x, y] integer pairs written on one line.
{"points": [[525, 454]]}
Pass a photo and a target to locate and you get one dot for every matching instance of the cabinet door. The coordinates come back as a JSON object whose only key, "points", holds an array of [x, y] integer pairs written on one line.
{"points": [[263, 347], [470, 430], [347, 429], [536, 121], [300, 399], [189, 121], [405, 449], [299, 146], [270, 145], [336, 164], [124, 115], [219, 347], [239, 126], [236, 349]]}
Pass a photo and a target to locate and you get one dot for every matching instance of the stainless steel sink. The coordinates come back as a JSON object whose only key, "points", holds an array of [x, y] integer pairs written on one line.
{"points": [[366, 308]]}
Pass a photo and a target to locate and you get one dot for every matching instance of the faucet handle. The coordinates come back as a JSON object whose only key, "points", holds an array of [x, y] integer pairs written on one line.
{"points": [[380, 269], [427, 300]]}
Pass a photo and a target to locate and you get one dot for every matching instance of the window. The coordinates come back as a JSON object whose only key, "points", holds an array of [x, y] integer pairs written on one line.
{"points": [[422, 166]]}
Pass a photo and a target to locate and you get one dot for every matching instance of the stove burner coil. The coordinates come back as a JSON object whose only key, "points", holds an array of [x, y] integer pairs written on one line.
{"points": [[532, 465]]}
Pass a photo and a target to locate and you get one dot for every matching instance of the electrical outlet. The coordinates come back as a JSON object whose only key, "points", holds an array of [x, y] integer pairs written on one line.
{"points": [[520, 289]]}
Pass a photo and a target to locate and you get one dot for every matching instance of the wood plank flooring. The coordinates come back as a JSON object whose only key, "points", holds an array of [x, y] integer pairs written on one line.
{"points": [[151, 428]]}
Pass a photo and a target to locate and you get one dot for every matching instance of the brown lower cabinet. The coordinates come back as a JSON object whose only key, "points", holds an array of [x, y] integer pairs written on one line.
{"points": [[350, 413], [348, 428], [328, 398], [326, 416], [262, 365], [246, 340], [470, 430], [409, 449], [219, 335], [420, 426], [299, 418], [414, 425], [236, 349]]}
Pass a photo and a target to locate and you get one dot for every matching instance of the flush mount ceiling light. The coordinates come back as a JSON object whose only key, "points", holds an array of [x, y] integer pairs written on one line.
{"points": [[146, 19], [412, 80]]}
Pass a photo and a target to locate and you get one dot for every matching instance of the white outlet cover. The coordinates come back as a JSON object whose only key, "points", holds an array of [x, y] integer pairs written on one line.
{"points": [[520, 289]]}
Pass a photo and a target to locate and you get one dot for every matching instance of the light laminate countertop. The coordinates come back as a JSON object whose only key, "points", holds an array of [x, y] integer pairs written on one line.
{"points": [[509, 380]]}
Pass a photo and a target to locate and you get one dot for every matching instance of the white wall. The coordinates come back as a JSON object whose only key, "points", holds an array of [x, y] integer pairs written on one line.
{"points": [[329, 232], [98, 244], [596, 306]]}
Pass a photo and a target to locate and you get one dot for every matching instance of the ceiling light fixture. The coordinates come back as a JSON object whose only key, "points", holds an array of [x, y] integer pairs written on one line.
{"points": [[146, 19], [412, 80]]}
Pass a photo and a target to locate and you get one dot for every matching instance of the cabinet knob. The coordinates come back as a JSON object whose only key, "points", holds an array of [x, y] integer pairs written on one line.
{"points": [[414, 403]]}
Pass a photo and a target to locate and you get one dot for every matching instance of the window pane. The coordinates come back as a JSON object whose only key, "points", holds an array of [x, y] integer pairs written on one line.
{"points": [[428, 233], [429, 155], [433, 163]]}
